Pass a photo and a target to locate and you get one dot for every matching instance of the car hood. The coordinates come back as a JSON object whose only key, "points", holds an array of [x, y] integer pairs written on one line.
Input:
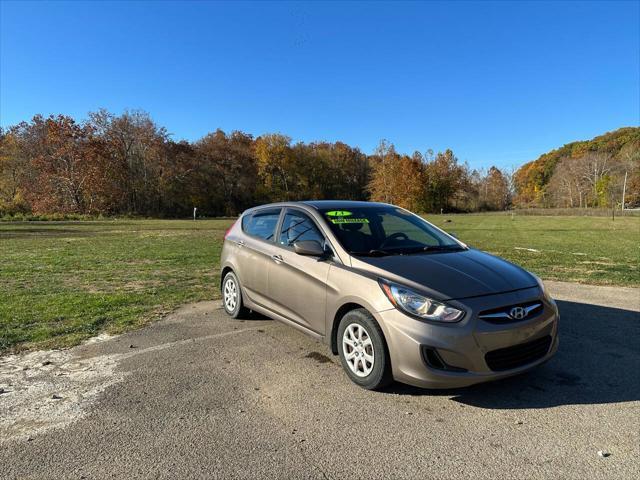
{"points": [[450, 275]]}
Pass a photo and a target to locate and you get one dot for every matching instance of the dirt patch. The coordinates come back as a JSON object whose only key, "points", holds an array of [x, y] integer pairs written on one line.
{"points": [[49, 389], [318, 357], [53, 388], [103, 287], [142, 285], [45, 232]]}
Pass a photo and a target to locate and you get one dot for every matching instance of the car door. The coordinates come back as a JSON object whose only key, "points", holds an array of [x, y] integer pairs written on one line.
{"points": [[254, 253], [297, 283]]}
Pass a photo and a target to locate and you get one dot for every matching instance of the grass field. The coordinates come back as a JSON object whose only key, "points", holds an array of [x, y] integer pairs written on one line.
{"points": [[66, 281], [593, 250]]}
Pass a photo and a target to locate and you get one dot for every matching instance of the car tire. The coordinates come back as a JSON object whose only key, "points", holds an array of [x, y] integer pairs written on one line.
{"points": [[363, 351], [232, 297]]}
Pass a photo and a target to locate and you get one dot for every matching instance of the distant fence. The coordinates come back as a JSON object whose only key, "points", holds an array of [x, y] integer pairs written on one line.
{"points": [[580, 212], [585, 212]]}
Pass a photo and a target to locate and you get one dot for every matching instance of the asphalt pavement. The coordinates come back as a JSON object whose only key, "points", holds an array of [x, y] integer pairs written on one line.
{"points": [[201, 395]]}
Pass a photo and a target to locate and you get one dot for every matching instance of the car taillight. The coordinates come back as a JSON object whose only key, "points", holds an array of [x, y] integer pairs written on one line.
{"points": [[229, 229]]}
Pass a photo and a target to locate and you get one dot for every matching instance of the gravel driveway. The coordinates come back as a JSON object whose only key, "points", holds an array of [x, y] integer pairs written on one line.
{"points": [[200, 395]]}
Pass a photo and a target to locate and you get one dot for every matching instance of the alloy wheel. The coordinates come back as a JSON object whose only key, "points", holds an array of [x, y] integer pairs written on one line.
{"points": [[358, 350], [230, 294]]}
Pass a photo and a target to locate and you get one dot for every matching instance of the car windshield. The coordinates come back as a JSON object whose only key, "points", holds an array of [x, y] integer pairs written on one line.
{"points": [[381, 230]]}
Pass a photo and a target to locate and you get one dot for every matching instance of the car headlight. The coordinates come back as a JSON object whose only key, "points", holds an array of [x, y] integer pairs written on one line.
{"points": [[543, 289], [418, 305]]}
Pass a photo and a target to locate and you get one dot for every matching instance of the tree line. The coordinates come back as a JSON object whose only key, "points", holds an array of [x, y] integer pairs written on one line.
{"points": [[593, 173], [128, 164]]}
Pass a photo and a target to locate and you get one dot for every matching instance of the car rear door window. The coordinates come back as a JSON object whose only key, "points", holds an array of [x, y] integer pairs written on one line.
{"points": [[262, 224], [297, 227]]}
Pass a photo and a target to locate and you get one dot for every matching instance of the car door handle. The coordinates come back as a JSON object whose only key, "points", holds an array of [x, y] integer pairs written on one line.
{"points": [[277, 258]]}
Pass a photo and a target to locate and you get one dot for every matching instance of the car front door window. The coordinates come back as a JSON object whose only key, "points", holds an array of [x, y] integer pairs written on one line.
{"points": [[298, 227]]}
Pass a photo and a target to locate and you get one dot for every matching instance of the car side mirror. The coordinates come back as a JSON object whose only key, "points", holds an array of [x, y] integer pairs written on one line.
{"points": [[310, 248]]}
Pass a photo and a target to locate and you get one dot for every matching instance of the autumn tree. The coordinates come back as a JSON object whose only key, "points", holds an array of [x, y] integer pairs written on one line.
{"points": [[176, 185], [471, 191], [329, 170], [135, 146], [537, 184], [444, 178], [66, 166], [630, 169], [410, 179], [13, 169], [226, 171], [383, 166], [348, 173], [395, 178], [496, 190], [274, 159], [568, 187]]}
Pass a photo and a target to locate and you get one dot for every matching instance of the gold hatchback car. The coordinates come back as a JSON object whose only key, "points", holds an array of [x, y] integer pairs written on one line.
{"points": [[394, 296]]}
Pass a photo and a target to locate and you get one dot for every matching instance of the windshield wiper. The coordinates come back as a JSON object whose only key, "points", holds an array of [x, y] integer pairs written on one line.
{"points": [[374, 253], [429, 248], [442, 248]]}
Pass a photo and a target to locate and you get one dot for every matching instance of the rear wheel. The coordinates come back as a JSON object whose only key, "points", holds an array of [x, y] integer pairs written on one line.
{"points": [[363, 351], [232, 296]]}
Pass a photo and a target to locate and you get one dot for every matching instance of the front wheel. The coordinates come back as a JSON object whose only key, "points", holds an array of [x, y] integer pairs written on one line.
{"points": [[232, 296], [363, 352]]}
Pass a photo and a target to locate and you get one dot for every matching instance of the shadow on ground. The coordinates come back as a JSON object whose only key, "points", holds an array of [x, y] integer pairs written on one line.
{"points": [[251, 317], [598, 362]]}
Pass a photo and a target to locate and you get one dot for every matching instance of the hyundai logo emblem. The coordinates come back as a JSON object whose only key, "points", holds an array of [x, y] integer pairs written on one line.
{"points": [[517, 313]]}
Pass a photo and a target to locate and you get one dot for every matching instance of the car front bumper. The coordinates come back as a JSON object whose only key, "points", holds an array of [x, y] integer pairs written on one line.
{"points": [[463, 346]]}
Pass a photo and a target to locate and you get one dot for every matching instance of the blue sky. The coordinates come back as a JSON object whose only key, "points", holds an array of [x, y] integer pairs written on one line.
{"points": [[499, 83]]}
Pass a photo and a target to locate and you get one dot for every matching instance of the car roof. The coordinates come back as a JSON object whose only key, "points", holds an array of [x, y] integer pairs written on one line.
{"points": [[336, 204], [320, 204]]}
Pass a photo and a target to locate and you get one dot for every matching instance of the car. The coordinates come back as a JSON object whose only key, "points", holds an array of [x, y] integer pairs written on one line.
{"points": [[394, 296]]}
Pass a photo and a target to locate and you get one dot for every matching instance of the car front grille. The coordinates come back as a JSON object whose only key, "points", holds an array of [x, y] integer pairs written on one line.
{"points": [[518, 355], [504, 314]]}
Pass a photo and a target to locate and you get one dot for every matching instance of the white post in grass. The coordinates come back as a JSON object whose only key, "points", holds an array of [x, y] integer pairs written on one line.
{"points": [[624, 189], [195, 209]]}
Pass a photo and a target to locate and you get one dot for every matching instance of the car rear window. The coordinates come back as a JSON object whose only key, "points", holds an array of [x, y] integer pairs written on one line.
{"points": [[261, 224]]}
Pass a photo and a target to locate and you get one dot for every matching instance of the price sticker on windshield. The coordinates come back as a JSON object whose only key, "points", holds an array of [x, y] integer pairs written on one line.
{"points": [[339, 213], [344, 216], [349, 220]]}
